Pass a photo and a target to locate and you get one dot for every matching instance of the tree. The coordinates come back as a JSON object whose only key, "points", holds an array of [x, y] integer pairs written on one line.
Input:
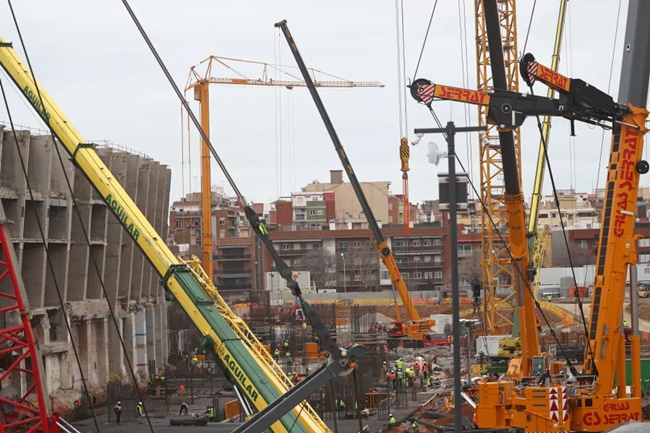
{"points": [[470, 271], [364, 262], [321, 265]]}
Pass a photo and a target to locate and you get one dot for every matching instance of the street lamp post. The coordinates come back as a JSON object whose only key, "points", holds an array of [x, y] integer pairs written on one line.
{"points": [[345, 288]]}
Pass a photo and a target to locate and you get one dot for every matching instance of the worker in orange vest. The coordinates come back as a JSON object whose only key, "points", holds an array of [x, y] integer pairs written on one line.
{"points": [[416, 369], [425, 370]]}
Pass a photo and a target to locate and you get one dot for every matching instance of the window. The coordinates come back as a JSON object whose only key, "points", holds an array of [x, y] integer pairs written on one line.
{"points": [[315, 245], [416, 243], [319, 212], [417, 259], [645, 242], [595, 243], [357, 277], [417, 275], [437, 260], [464, 250], [405, 275], [399, 244], [427, 258], [583, 244], [343, 246], [644, 258], [312, 212], [357, 244], [286, 246], [428, 275], [437, 242], [179, 224], [368, 244], [543, 215], [222, 221], [437, 275], [646, 270], [427, 242], [390, 206], [187, 223], [297, 262]]}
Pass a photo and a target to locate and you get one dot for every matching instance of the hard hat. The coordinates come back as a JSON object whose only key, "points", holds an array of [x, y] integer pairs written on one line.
{"points": [[390, 414], [139, 402], [119, 402], [384, 362]]}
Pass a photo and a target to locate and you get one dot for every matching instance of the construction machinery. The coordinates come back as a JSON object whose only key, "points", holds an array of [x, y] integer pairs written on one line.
{"points": [[245, 361], [408, 333], [541, 395], [200, 84]]}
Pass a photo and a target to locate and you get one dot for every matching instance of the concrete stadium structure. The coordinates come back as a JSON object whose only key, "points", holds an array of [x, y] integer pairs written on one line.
{"points": [[132, 286]]}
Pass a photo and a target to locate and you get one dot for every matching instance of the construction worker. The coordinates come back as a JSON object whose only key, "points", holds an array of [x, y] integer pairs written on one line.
{"points": [[308, 370], [416, 368], [296, 378], [285, 344], [195, 360], [393, 377], [384, 367], [341, 405], [276, 354], [118, 412], [139, 410], [624, 323], [211, 413], [400, 376], [391, 420], [399, 364], [415, 426], [429, 382], [425, 369], [183, 409], [365, 413]]}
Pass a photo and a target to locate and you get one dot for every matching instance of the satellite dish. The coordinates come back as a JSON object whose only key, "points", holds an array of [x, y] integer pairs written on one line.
{"points": [[434, 154]]}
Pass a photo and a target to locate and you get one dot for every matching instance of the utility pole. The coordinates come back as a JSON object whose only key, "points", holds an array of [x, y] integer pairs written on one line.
{"points": [[450, 132]]}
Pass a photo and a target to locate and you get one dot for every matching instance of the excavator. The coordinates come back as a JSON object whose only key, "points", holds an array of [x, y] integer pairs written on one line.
{"points": [[268, 395], [539, 393], [406, 334]]}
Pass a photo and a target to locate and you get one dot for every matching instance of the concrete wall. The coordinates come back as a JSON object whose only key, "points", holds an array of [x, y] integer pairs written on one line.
{"points": [[130, 284]]}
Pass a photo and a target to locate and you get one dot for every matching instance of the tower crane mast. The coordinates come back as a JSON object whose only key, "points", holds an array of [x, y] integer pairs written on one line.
{"points": [[200, 83], [498, 270]]}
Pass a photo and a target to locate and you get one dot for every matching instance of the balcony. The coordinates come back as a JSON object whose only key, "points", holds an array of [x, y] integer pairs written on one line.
{"points": [[419, 265], [229, 258], [294, 252], [421, 249]]}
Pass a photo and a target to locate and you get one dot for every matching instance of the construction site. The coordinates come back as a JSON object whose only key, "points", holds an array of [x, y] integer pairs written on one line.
{"points": [[125, 310]]}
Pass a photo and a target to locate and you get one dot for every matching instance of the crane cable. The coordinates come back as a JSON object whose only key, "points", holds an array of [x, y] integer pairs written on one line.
{"points": [[84, 231], [557, 205], [552, 179], [191, 114], [609, 84], [507, 249]]}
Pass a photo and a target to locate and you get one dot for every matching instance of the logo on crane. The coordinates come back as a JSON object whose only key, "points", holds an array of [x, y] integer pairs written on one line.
{"points": [[35, 100], [124, 218]]}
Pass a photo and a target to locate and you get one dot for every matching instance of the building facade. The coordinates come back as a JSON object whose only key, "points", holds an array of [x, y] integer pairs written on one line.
{"points": [[88, 274]]}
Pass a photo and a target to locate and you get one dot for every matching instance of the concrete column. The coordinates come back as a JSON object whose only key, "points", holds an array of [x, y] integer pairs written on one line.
{"points": [[100, 364], [140, 323], [160, 334], [81, 336], [129, 337], [151, 333], [115, 233], [116, 363]]}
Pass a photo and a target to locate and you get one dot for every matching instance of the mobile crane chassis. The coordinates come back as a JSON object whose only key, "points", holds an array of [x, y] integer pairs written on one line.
{"points": [[598, 399]]}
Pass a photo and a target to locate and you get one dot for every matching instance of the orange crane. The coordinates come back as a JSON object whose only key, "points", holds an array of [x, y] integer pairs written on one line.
{"points": [[200, 84]]}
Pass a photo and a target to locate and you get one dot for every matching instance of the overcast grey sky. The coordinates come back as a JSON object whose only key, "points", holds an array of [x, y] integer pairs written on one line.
{"points": [[93, 62]]}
